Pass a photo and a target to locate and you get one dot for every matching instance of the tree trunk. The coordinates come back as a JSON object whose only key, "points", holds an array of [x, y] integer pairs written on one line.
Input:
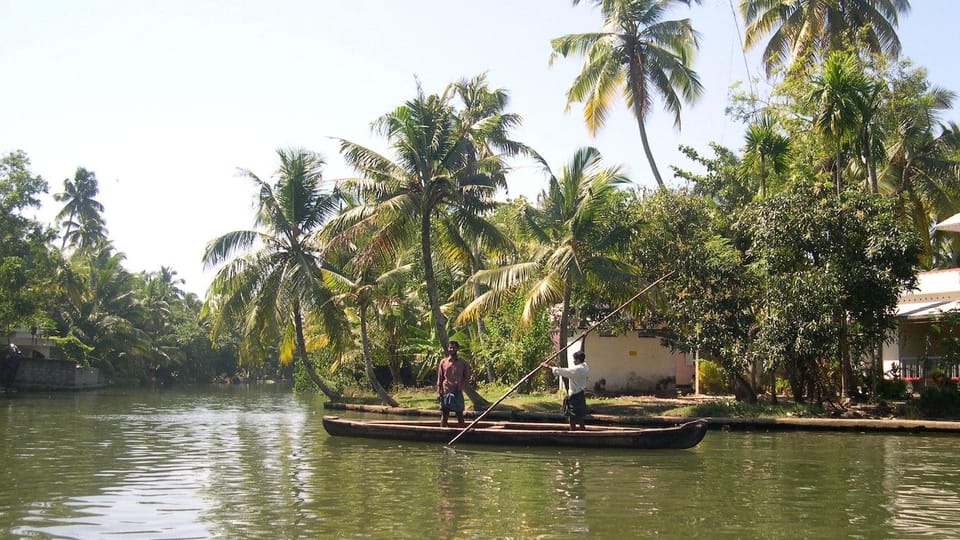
{"points": [[743, 391], [332, 394], [564, 325], [637, 87], [368, 362], [474, 268], [649, 153], [439, 321], [871, 167], [846, 368]]}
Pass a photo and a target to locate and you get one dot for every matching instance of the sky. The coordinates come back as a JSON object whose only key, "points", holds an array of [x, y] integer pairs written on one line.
{"points": [[167, 101]]}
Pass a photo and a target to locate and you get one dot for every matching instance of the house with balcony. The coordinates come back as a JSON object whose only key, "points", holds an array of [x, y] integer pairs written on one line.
{"points": [[911, 350]]}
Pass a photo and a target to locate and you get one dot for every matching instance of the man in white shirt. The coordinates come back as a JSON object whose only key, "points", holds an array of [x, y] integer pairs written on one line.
{"points": [[575, 402]]}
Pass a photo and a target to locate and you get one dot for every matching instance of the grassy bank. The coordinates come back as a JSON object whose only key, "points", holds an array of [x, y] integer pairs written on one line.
{"points": [[687, 406]]}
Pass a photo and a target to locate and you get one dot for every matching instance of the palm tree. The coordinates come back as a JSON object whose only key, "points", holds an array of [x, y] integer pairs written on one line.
{"points": [[100, 308], [371, 288], [801, 29], [571, 210], [439, 172], [765, 152], [467, 236], [638, 54], [844, 99], [271, 283], [82, 213]]}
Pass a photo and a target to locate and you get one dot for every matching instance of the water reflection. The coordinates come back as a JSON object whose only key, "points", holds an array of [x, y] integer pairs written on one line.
{"points": [[255, 463]]}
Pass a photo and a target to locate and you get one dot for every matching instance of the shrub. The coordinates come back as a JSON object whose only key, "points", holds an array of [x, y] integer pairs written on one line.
{"points": [[891, 389], [712, 378], [940, 402]]}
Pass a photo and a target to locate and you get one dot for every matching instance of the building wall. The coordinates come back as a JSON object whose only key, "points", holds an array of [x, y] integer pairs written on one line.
{"points": [[633, 364]]}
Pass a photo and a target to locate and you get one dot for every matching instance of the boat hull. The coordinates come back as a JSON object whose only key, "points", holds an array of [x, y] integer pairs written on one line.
{"points": [[683, 436]]}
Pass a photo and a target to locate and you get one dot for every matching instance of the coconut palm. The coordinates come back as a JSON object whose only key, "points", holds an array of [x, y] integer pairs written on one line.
{"points": [[565, 223], [101, 309], [466, 236], [370, 288], [81, 214], [439, 173], [271, 281], [636, 53], [923, 169], [802, 29]]}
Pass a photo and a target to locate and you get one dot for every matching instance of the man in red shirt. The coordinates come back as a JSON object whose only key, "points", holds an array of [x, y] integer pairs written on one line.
{"points": [[452, 376]]}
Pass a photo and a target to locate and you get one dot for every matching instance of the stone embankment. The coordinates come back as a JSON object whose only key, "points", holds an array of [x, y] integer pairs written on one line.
{"points": [[889, 425]]}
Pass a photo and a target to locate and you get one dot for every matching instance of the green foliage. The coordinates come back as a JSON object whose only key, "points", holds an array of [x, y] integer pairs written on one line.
{"points": [[73, 348], [712, 379], [27, 264], [639, 55], [739, 409], [891, 389], [940, 400], [513, 350]]}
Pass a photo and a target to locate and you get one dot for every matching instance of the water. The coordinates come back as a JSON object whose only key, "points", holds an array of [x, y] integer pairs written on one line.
{"points": [[254, 462]]}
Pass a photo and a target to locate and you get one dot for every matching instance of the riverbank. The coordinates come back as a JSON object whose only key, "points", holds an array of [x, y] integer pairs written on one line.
{"points": [[642, 411]]}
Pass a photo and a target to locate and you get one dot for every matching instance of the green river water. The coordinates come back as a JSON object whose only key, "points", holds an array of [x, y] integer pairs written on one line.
{"points": [[255, 462]]}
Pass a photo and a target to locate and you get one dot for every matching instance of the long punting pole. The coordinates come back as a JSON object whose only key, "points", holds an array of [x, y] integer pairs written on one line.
{"points": [[556, 354]]}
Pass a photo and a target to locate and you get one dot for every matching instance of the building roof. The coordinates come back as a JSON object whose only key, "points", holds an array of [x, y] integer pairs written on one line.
{"points": [[937, 292]]}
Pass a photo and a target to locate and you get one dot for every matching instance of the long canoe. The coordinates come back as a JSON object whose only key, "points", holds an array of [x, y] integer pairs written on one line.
{"points": [[682, 436]]}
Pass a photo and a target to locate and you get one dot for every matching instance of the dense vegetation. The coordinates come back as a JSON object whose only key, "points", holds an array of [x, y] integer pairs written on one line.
{"points": [[789, 253]]}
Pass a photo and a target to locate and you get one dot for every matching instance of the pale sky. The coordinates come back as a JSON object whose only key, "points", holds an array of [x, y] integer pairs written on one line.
{"points": [[165, 100]]}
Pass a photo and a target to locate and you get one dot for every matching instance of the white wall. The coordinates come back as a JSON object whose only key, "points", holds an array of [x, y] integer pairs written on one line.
{"points": [[631, 364]]}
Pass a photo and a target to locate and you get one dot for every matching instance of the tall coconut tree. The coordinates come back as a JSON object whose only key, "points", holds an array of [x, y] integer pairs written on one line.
{"points": [[800, 30], [467, 237], [575, 205], [271, 278], [437, 173], [637, 54], [82, 214]]}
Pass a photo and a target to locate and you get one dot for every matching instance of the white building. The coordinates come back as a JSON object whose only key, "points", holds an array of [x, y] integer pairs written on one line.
{"points": [[938, 291], [633, 363]]}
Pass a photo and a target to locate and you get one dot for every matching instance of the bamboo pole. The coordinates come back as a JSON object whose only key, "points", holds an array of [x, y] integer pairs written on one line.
{"points": [[556, 354]]}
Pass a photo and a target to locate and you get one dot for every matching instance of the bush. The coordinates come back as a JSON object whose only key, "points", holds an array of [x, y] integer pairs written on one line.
{"points": [[891, 389], [940, 402], [712, 378]]}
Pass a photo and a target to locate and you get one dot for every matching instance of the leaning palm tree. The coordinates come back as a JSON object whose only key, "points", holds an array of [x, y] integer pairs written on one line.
{"points": [[370, 289], [438, 172], [638, 54], [565, 224], [271, 283], [802, 29], [82, 214]]}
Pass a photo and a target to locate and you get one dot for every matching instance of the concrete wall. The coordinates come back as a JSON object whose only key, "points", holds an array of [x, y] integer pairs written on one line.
{"points": [[633, 364], [46, 374]]}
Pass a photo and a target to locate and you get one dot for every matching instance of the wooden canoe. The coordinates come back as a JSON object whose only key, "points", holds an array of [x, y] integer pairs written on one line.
{"points": [[685, 435]]}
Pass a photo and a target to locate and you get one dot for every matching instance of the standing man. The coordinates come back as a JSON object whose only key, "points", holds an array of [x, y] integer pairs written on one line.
{"points": [[575, 402], [452, 376]]}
